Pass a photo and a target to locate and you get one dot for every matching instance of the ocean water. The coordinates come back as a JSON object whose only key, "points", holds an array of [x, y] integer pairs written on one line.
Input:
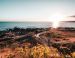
{"points": [[6, 25], [67, 24]]}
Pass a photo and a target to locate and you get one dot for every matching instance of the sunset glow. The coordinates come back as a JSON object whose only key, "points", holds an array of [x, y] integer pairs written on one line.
{"points": [[55, 19]]}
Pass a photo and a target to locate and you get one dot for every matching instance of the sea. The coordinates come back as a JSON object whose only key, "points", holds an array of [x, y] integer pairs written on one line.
{"points": [[7, 25]]}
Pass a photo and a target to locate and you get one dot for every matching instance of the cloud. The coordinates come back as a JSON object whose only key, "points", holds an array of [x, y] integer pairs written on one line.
{"points": [[72, 16]]}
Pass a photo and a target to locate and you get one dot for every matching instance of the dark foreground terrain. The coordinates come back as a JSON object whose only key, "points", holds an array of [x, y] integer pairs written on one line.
{"points": [[37, 43]]}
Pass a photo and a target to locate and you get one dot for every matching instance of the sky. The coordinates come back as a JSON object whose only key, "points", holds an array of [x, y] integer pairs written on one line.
{"points": [[36, 10]]}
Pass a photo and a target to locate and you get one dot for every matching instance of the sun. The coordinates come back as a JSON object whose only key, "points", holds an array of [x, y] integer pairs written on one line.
{"points": [[55, 19]]}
